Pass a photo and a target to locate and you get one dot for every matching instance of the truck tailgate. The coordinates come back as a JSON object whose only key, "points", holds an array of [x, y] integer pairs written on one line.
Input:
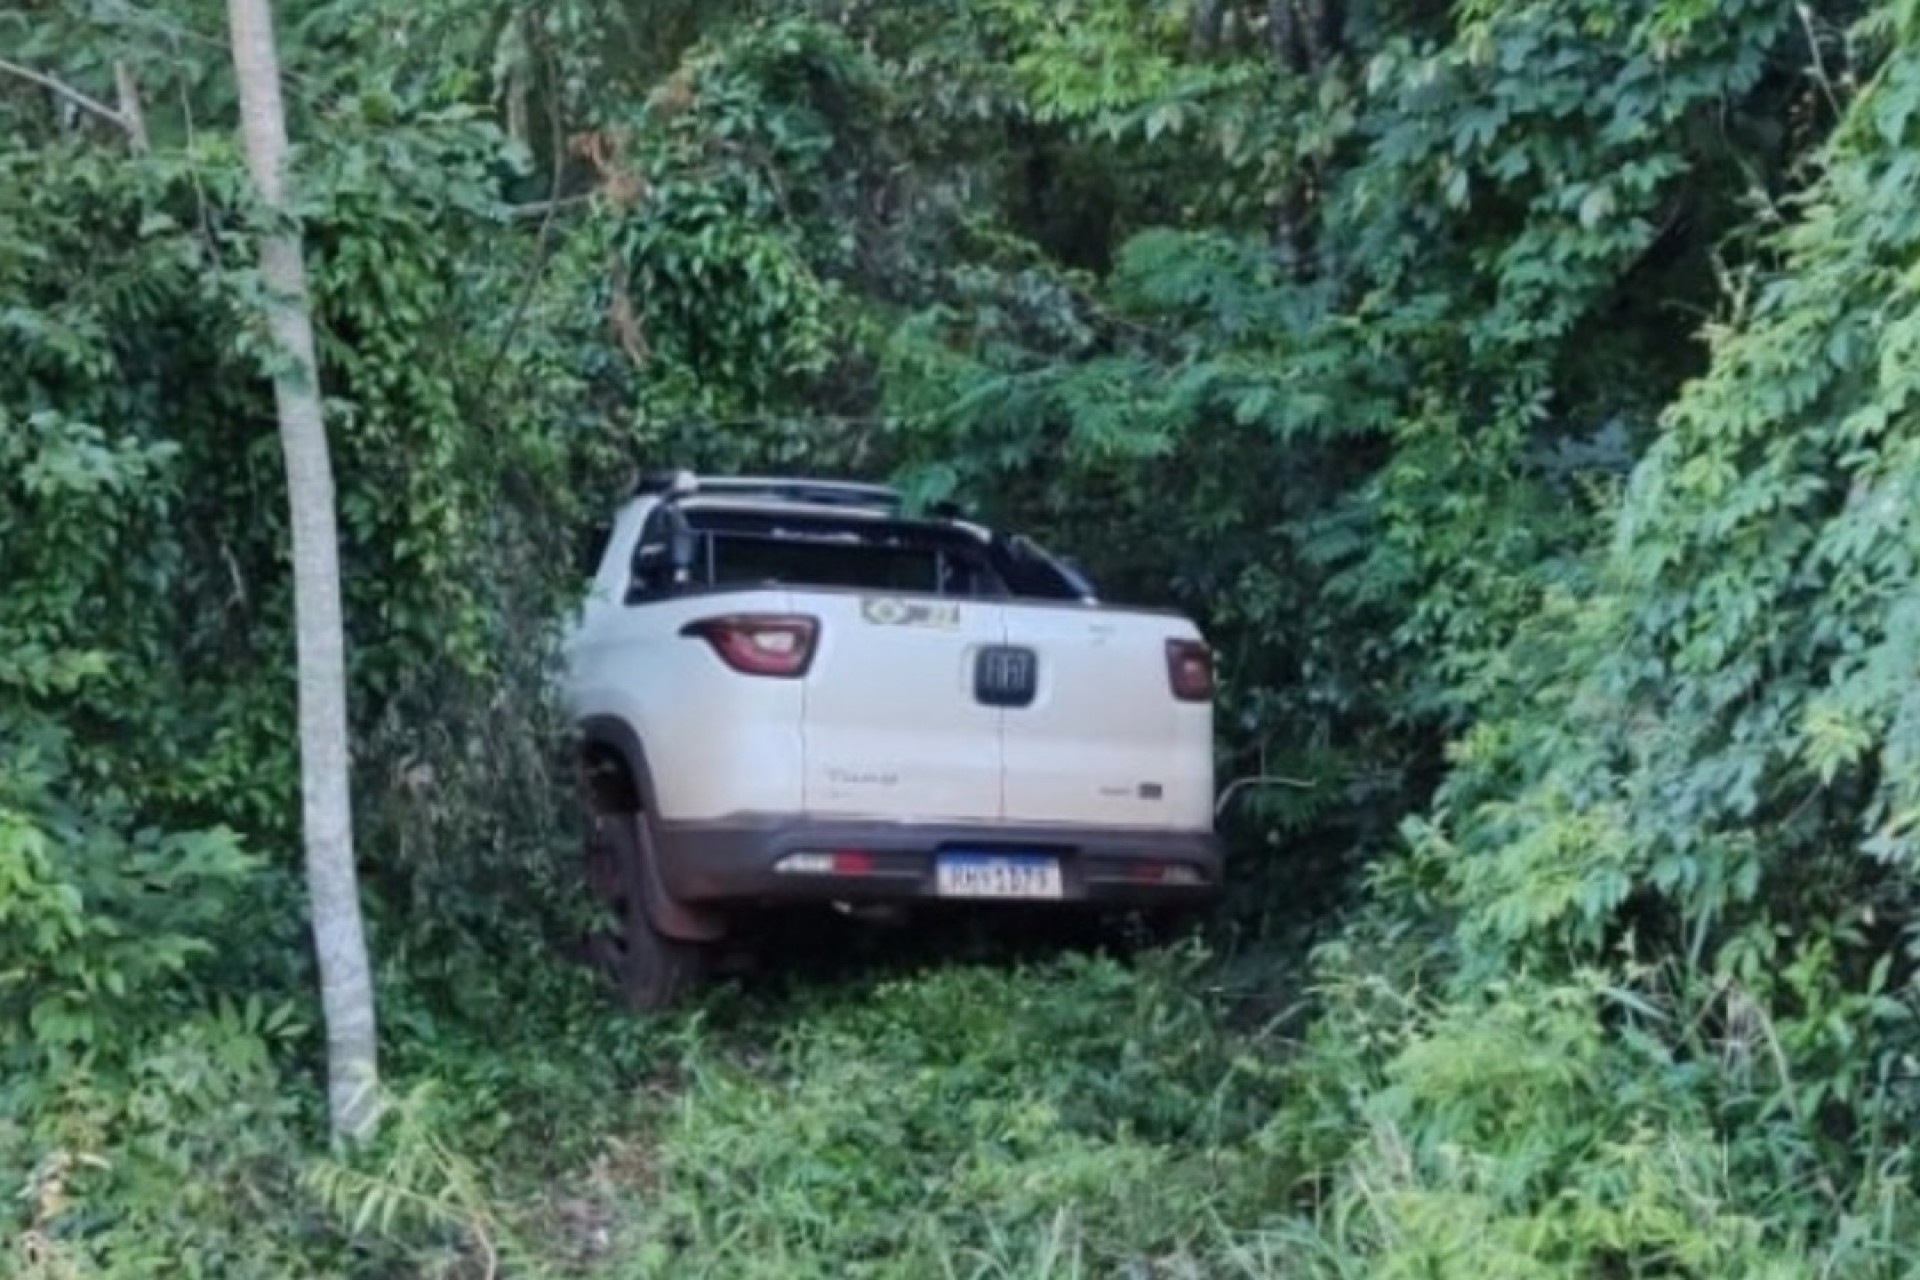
{"points": [[891, 724], [1104, 741]]}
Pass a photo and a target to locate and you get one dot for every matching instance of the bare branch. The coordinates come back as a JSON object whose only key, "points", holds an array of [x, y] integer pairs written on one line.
{"points": [[544, 208], [91, 105]]}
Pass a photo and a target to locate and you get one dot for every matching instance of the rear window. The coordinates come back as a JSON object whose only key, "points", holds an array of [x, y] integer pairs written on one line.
{"points": [[750, 548], [745, 560]]}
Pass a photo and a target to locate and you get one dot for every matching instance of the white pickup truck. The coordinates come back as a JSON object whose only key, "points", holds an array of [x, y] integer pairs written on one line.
{"points": [[787, 691]]}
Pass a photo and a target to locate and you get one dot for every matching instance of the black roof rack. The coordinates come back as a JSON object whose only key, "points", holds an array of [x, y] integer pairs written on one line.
{"points": [[829, 493]]}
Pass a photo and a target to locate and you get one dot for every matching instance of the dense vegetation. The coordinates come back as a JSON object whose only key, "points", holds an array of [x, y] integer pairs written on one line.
{"points": [[1523, 392]]}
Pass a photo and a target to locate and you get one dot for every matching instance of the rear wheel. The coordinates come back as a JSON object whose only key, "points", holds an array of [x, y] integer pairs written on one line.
{"points": [[648, 969]]}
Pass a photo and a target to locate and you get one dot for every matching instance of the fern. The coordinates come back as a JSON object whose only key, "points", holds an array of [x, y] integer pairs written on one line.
{"points": [[412, 1179]]}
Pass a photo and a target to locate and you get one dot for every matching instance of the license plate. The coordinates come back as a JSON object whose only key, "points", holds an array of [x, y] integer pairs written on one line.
{"points": [[978, 875]]}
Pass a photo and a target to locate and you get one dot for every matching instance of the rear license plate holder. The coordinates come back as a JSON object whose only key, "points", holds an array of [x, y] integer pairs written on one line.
{"points": [[1026, 877]]}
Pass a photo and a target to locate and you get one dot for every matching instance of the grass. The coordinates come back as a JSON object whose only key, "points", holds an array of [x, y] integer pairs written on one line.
{"points": [[911, 1111], [928, 1107]]}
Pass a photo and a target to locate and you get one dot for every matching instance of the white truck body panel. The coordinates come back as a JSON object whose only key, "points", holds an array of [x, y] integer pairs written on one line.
{"points": [[886, 723], [1104, 743], [717, 743], [892, 729]]}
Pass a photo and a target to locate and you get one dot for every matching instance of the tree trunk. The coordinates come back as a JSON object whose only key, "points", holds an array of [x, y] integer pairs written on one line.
{"points": [[346, 985], [1209, 20], [1283, 34]]}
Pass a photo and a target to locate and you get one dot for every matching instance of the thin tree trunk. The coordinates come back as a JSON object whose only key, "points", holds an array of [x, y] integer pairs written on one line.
{"points": [[127, 89], [346, 985], [1316, 33], [1283, 34], [1209, 19]]}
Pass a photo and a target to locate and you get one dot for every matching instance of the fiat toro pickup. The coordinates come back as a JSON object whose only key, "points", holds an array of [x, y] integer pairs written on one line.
{"points": [[791, 691]]}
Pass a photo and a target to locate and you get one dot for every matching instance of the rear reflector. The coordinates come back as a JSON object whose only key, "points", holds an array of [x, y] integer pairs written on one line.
{"points": [[841, 862], [1190, 670], [760, 644], [852, 862], [1165, 873]]}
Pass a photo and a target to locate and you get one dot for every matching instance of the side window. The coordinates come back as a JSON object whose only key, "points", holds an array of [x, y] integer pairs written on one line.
{"points": [[668, 556], [1031, 572], [965, 573]]}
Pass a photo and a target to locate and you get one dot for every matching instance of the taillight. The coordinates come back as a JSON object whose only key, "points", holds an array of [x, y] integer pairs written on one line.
{"points": [[760, 644], [1190, 670]]}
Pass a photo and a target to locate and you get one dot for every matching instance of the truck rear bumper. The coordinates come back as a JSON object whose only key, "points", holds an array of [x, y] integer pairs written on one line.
{"points": [[778, 859]]}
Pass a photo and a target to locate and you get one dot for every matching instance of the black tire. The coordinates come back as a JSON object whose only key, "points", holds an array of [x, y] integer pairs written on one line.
{"points": [[649, 970]]}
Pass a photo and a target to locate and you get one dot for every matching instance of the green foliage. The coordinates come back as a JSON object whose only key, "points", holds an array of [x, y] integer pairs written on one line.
{"points": [[720, 302], [1664, 774], [105, 909], [1369, 333], [1704, 735], [142, 1119], [1073, 1116], [98, 920], [177, 1157], [1387, 410], [413, 1180]]}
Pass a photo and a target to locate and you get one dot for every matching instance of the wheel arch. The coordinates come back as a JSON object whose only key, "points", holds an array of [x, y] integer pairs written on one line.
{"points": [[617, 785], [614, 774]]}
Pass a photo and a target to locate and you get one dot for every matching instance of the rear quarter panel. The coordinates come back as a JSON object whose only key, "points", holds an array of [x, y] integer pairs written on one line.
{"points": [[718, 743]]}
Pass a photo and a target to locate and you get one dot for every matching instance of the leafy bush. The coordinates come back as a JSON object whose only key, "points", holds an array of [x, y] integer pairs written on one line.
{"points": [[1368, 333]]}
